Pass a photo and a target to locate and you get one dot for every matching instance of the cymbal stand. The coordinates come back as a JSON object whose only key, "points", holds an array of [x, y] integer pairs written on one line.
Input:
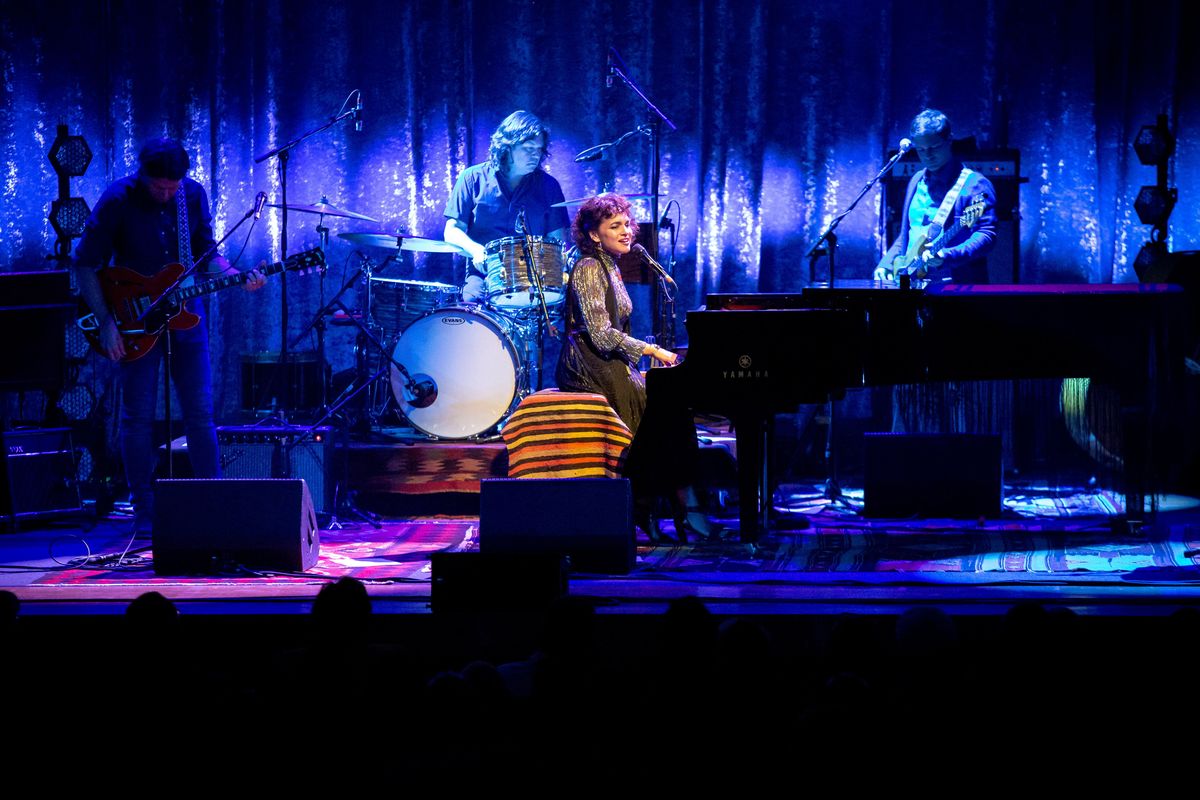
{"points": [[320, 326], [283, 151]]}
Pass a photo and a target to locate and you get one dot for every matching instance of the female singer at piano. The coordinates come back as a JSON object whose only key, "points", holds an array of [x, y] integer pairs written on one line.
{"points": [[598, 354]]}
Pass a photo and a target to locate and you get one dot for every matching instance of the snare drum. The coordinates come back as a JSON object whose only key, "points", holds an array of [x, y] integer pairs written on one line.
{"points": [[508, 281], [468, 355], [396, 304]]}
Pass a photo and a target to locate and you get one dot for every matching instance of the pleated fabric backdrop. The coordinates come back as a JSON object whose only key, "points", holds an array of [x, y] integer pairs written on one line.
{"points": [[784, 111]]}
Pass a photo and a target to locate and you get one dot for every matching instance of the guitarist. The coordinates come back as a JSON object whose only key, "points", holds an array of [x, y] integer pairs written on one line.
{"points": [[964, 259], [144, 222]]}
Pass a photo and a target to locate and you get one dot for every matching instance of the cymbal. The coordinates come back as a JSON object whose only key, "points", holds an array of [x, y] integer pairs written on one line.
{"points": [[327, 209], [393, 241], [582, 200]]}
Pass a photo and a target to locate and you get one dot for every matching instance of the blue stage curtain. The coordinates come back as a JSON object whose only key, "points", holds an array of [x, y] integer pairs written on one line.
{"points": [[784, 110]]}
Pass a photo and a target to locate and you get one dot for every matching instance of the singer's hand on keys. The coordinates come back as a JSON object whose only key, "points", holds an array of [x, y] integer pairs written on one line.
{"points": [[884, 273], [659, 354]]}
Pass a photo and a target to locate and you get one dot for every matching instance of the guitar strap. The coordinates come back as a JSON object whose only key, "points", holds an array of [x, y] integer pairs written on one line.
{"points": [[943, 212], [185, 232]]}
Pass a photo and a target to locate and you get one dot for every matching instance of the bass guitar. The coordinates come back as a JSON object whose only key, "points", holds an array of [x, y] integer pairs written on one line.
{"points": [[140, 314]]}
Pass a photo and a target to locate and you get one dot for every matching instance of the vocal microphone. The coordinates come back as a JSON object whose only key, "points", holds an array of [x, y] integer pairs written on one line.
{"points": [[657, 267], [358, 114], [259, 202], [905, 145], [592, 153], [608, 78]]}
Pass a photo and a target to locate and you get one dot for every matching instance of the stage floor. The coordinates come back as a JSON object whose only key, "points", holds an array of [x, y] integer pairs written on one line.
{"points": [[1063, 548]]}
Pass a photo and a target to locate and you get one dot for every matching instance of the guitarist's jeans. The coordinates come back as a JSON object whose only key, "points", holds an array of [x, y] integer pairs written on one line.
{"points": [[141, 390]]}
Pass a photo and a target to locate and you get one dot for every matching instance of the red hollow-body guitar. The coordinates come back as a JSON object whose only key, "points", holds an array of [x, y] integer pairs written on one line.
{"points": [[131, 297]]}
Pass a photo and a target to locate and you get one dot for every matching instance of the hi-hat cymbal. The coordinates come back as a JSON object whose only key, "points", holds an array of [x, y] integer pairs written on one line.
{"points": [[582, 200], [326, 208], [393, 241]]}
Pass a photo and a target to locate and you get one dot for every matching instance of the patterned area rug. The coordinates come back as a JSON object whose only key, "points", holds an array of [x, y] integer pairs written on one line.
{"points": [[397, 551], [999, 551]]}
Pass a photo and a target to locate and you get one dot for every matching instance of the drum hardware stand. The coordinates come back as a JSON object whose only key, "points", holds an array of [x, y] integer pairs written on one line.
{"points": [[319, 323], [283, 152], [423, 393], [537, 292]]}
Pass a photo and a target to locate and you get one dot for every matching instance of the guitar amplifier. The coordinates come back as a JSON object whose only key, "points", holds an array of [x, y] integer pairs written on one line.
{"points": [[273, 452], [37, 473]]}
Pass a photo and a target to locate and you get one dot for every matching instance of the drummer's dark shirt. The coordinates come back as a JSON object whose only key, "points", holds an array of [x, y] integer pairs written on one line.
{"points": [[489, 211]]}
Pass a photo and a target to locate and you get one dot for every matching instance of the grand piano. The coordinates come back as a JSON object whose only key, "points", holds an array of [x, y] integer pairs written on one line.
{"points": [[751, 356]]}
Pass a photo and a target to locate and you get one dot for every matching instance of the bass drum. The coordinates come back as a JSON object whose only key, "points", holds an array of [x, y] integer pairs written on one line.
{"points": [[468, 356]]}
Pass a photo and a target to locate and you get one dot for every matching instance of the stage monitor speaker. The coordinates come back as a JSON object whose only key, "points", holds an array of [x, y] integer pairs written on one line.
{"points": [[37, 473], [202, 526], [932, 475], [252, 451], [589, 520], [496, 582]]}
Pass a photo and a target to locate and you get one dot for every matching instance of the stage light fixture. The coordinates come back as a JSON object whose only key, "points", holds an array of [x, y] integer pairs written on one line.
{"points": [[1150, 260], [70, 155], [1154, 205], [76, 344], [84, 464], [69, 216], [78, 402], [1154, 143]]}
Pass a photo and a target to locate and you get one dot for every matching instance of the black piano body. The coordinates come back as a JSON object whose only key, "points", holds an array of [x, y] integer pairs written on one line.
{"points": [[751, 356]]}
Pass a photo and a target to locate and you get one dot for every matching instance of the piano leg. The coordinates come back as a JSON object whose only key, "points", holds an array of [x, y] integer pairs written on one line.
{"points": [[753, 433]]}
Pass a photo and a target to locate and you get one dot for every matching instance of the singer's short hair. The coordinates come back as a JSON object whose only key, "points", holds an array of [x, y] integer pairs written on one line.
{"points": [[163, 158], [517, 127], [591, 216], [930, 122]]}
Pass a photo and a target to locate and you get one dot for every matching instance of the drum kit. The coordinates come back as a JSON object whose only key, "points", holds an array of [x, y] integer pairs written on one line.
{"points": [[452, 370]]}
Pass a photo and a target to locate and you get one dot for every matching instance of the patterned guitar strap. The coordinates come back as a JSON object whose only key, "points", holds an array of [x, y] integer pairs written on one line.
{"points": [[943, 212], [185, 233]]}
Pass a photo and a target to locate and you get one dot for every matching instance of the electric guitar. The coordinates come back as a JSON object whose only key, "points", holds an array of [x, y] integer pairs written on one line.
{"points": [[131, 297], [911, 263]]}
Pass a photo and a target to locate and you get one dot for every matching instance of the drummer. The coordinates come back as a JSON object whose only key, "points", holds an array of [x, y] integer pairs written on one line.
{"points": [[488, 197]]}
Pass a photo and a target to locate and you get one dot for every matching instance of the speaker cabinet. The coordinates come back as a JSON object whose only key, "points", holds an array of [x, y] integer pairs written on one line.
{"points": [[37, 473], [956, 475], [213, 525], [261, 452], [589, 520]]}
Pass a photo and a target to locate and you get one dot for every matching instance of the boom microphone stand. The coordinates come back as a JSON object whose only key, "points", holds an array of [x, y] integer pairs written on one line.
{"points": [[616, 68], [155, 308], [833, 490]]}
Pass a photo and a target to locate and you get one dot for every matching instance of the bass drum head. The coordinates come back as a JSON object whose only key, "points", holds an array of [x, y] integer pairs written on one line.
{"points": [[468, 356]]}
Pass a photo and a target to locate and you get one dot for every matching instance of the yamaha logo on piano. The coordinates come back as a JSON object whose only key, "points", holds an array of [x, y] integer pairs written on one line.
{"points": [[744, 370]]}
